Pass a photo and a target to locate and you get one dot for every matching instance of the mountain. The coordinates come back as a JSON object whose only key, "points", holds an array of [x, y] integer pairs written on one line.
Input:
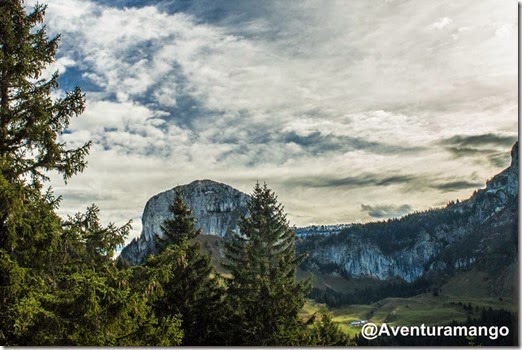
{"points": [[475, 239], [478, 235], [216, 208]]}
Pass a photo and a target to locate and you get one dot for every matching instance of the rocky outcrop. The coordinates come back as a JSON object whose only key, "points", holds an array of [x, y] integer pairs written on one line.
{"points": [[362, 258], [216, 208]]}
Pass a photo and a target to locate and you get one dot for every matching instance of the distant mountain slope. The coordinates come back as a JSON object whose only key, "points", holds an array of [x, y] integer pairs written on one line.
{"points": [[320, 229], [478, 233]]}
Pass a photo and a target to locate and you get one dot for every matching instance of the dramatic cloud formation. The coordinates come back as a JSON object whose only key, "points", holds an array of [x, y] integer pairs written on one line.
{"points": [[334, 104], [486, 147], [385, 211]]}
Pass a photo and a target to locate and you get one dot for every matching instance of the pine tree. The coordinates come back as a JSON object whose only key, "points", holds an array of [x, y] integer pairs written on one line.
{"points": [[30, 123], [58, 282], [190, 286], [97, 303], [263, 291], [179, 229], [327, 333], [30, 120]]}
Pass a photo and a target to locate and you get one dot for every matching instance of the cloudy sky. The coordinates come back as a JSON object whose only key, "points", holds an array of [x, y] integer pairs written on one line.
{"points": [[351, 111]]}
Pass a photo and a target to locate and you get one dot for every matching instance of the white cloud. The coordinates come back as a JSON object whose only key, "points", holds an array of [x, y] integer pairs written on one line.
{"points": [[506, 31], [441, 23], [60, 66], [182, 98]]}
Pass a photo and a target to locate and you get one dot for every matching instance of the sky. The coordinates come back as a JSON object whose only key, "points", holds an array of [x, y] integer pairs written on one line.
{"points": [[351, 111]]}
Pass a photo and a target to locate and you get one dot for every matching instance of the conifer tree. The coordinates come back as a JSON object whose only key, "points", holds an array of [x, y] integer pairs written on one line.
{"points": [[263, 291], [326, 332], [179, 229], [190, 286], [30, 119], [30, 123], [58, 282], [91, 302]]}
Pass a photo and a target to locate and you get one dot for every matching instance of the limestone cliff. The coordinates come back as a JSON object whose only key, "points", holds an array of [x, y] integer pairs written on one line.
{"points": [[216, 208], [480, 230]]}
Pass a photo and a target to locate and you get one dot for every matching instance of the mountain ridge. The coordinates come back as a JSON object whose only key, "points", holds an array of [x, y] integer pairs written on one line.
{"points": [[479, 231]]}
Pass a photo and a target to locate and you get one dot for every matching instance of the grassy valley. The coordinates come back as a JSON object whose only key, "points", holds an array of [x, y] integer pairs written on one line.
{"points": [[461, 296], [420, 309]]}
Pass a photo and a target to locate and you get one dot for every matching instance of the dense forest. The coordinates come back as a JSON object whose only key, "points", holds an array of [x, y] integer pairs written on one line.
{"points": [[371, 294], [59, 281]]}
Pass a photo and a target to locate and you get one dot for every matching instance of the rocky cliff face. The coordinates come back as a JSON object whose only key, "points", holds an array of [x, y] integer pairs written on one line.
{"points": [[216, 208], [482, 229], [363, 258]]}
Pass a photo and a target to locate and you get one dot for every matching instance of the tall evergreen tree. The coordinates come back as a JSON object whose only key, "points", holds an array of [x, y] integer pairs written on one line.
{"points": [[91, 302], [180, 228], [30, 123], [263, 291], [190, 286], [58, 282], [30, 119]]}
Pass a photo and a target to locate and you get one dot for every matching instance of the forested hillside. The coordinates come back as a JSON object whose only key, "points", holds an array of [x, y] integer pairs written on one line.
{"points": [[422, 251]]}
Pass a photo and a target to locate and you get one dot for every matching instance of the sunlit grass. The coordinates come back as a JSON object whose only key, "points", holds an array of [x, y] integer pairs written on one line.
{"points": [[421, 309]]}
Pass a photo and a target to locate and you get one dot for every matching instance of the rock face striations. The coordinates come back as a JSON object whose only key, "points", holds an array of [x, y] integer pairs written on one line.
{"points": [[216, 208]]}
